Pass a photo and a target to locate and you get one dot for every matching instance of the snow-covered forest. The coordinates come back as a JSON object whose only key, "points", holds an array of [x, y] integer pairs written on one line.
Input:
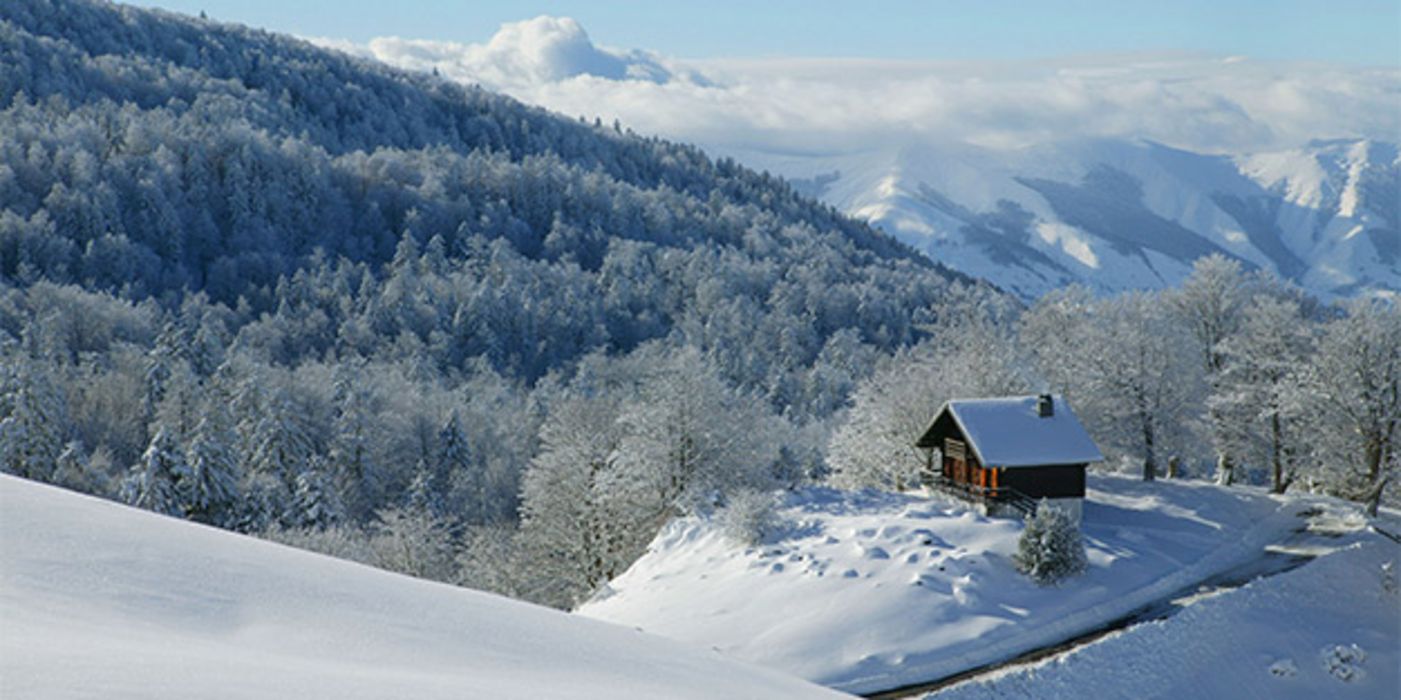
{"points": [[280, 290]]}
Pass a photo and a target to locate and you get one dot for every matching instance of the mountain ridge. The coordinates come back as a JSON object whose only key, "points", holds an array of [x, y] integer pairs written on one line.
{"points": [[1116, 214]]}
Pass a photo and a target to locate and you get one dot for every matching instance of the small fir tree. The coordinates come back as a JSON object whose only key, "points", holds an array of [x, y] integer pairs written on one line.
{"points": [[1050, 548]]}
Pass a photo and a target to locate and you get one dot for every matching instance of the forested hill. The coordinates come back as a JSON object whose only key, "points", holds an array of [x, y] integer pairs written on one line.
{"points": [[229, 155], [273, 287]]}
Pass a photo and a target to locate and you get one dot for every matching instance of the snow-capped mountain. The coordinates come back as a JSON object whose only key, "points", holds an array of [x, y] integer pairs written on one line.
{"points": [[1118, 214]]}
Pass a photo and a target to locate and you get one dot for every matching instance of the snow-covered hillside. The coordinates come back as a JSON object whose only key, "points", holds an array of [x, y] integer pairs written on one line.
{"points": [[876, 591], [1120, 214], [101, 600]]}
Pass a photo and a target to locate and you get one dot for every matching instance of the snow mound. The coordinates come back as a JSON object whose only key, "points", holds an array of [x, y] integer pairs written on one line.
{"points": [[866, 592], [101, 600]]}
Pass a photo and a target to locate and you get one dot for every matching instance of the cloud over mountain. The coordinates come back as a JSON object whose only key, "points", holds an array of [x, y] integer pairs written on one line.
{"points": [[1201, 102], [521, 55]]}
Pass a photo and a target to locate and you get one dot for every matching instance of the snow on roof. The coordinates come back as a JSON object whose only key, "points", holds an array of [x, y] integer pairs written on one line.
{"points": [[1007, 432]]}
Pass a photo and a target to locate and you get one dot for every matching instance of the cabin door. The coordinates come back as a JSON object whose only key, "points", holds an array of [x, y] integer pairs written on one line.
{"points": [[956, 461]]}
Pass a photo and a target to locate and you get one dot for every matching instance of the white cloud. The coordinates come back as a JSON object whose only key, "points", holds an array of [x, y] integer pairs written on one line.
{"points": [[1219, 104]]}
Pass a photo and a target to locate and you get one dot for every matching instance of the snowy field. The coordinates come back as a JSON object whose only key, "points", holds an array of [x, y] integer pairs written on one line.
{"points": [[102, 600], [868, 592], [1326, 630]]}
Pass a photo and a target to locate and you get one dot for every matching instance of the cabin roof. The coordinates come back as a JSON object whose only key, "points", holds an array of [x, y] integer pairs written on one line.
{"points": [[1008, 432]]}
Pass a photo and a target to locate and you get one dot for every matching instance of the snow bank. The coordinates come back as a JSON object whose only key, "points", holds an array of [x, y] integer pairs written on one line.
{"points": [[872, 591], [100, 600], [1326, 630]]}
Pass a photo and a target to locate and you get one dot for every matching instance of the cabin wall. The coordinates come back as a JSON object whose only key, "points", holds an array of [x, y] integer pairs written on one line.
{"points": [[1061, 481]]}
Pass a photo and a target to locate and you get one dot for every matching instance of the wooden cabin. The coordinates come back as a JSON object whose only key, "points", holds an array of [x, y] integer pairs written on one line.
{"points": [[1006, 454]]}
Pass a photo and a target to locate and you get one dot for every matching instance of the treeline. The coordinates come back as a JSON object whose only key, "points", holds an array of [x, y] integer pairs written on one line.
{"points": [[386, 453], [1233, 376]]}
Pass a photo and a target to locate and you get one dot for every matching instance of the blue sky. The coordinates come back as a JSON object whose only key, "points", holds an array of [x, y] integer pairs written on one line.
{"points": [[1361, 32]]}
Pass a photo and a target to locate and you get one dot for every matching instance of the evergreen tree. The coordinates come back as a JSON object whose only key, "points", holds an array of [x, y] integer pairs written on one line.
{"points": [[1050, 548], [154, 483], [212, 491], [32, 436], [460, 484], [351, 462], [315, 503]]}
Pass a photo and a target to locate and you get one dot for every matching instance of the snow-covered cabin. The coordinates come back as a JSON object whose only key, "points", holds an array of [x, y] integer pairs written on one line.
{"points": [[1006, 454]]}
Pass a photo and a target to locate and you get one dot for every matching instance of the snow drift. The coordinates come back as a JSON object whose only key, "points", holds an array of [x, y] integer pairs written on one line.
{"points": [[866, 592], [102, 600]]}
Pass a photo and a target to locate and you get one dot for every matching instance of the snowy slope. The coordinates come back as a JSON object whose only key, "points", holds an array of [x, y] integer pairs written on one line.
{"points": [[1296, 635], [1120, 214], [101, 600], [875, 591]]}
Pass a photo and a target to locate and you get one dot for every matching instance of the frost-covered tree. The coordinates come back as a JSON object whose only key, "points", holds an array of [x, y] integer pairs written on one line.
{"points": [[351, 461], [154, 483], [33, 435], [1126, 365], [455, 477], [315, 503], [212, 491], [1209, 305], [690, 438], [76, 471], [575, 521], [1050, 548], [1352, 390], [1253, 403], [414, 542], [281, 446], [422, 495]]}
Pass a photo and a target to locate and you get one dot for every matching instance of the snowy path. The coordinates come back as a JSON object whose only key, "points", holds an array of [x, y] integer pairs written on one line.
{"points": [[1330, 628]]}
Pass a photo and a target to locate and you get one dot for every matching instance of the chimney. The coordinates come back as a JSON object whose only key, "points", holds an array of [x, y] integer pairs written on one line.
{"points": [[1045, 408]]}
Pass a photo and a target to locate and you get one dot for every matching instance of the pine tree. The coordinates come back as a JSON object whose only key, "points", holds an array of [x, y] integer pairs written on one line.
{"points": [[460, 484], [1050, 548], [315, 503], [154, 483], [351, 464], [211, 492], [422, 494], [32, 435], [282, 446]]}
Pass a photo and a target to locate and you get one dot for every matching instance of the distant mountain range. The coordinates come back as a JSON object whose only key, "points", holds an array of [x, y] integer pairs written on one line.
{"points": [[1116, 215]]}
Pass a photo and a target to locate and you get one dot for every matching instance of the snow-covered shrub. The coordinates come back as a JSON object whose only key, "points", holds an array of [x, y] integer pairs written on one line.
{"points": [[1050, 548], [340, 541], [414, 542], [749, 517]]}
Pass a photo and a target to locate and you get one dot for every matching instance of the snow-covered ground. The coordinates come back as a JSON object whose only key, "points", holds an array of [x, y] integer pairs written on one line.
{"points": [[1330, 629], [101, 600], [866, 592]]}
